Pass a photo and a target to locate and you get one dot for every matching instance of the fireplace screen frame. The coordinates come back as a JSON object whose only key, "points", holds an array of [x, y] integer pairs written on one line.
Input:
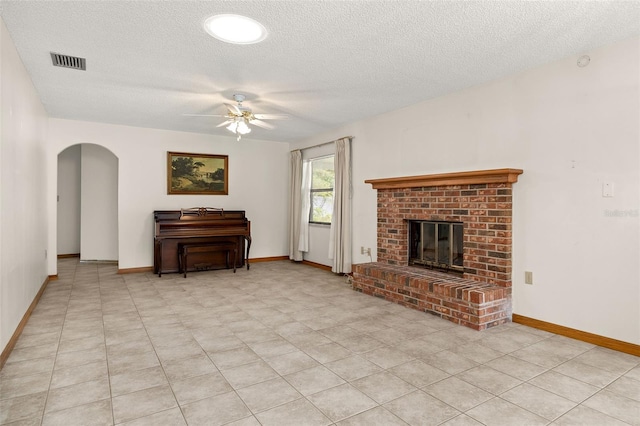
{"points": [[420, 260]]}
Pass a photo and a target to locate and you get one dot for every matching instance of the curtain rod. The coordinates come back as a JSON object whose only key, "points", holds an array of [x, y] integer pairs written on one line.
{"points": [[322, 144]]}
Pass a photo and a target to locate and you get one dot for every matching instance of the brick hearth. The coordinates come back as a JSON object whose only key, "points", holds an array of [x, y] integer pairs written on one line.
{"points": [[482, 201]]}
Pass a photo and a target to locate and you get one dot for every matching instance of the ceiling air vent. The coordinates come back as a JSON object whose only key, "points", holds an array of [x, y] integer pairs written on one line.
{"points": [[67, 61]]}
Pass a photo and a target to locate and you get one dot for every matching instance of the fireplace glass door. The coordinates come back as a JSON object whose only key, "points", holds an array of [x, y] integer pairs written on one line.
{"points": [[436, 244]]}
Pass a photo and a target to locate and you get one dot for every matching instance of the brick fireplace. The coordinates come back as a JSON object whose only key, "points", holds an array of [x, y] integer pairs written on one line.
{"points": [[480, 296]]}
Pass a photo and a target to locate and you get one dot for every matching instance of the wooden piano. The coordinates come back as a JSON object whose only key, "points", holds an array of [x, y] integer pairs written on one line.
{"points": [[174, 228]]}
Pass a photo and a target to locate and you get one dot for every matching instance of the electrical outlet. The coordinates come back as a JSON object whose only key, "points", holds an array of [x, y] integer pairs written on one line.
{"points": [[369, 252], [362, 250], [45, 253], [528, 277]]}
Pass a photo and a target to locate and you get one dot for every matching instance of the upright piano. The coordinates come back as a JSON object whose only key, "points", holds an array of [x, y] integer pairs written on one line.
{"points": [[198, 225]]}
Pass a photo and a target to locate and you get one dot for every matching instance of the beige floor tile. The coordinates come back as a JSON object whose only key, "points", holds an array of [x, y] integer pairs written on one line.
{"points": [[387, 357], [135, 380], [361, 344], [172, 353], [234, 357], [142, 403], [82, 373], [627, 387], [217, 410], [26, 341], [24, 368], [461, 420], [565, 386], [137, 346], [80, 357], [498, 412], [95, 413], [121, 363], [609, 360], [171, 417], [418, 373], [313, 380], [341, 402], [585, 416], [328, 352], [383, 387], [85, 343], [458, 393], [271, 348], [271, 332], [22, 407], [24, 385], [489, 379], [586, 373], [249, 374], [539, 401], [449, 362], [476, 352], [516, 367], [269, 394], [78, 394], [617, 406], [418, 408], [375, 416], [300, 412], [200, 387], [46, 350]]}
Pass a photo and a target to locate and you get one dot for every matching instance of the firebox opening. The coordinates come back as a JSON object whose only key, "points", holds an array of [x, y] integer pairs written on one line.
{"points": [[436, 245]]}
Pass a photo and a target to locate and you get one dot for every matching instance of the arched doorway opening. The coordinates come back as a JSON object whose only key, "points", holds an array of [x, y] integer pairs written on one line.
{"points": [[87, 207]]}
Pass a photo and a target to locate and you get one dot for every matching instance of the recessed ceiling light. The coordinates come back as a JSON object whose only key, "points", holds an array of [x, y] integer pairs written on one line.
{"points": [[235, 29]]}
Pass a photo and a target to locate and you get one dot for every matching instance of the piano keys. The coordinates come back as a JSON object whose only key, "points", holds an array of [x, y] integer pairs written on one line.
{"points": [[198, 225]]}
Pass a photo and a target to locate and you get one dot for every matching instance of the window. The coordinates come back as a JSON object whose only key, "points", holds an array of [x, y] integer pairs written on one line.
{"points": [[322, 178]]}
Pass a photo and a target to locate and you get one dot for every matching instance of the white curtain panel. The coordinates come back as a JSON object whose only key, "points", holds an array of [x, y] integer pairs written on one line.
{"points": [[305, 207], [295, 203], [340, 237]]}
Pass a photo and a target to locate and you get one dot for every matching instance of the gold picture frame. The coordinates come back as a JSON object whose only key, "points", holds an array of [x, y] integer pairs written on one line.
{"points": [[197, 174]]}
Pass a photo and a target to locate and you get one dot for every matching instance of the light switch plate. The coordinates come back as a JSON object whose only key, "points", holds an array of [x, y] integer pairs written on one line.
{"points": [[607, 189]]}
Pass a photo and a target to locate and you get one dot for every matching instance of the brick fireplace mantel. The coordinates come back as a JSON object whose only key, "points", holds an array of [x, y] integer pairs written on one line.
{"points": [[482, 201], [445, 179]]}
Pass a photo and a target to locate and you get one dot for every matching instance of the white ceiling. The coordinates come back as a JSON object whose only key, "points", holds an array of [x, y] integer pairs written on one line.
{"points": [[325, 63]]}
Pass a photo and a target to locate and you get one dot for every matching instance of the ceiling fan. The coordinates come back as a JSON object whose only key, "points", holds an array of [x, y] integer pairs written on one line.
{"points": [[238, 117]]}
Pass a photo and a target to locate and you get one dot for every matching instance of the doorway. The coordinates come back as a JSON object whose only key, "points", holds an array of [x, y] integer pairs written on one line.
{"points": [[87, 207]]}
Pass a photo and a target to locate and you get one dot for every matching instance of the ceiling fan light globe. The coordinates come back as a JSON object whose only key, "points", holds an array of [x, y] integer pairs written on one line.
{"points": [[242, 128]]}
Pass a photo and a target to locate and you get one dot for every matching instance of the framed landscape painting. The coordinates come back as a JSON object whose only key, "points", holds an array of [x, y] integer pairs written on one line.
{"points": [[197, 173]]}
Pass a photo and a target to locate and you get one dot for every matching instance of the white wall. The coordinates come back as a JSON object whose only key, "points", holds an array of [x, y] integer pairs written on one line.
{"points": [[257, 183], [570, 129], [23, 210], [68, 206], [99, 204]]}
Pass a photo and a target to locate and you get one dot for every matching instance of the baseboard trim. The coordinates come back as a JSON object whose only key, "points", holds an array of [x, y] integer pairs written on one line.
{"points": [[68, 256], [268, 259], [316, 265], [16, 334], [606, 342], [135, 270]]}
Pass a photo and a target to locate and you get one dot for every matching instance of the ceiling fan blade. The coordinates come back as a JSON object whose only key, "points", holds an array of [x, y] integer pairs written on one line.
{"points": [[271, 116], [225, 123], [233, 109], [204, 115], [262, 124]]}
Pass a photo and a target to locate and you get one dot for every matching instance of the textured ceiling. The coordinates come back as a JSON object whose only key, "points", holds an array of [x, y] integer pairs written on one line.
{"points": [[325, 63]]}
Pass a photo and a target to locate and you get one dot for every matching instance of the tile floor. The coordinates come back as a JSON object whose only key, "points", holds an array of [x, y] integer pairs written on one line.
{"points": [[286, 344]]}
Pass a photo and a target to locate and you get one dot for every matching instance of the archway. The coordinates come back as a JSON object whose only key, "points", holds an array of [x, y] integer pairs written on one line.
{"points": [[87, 207]]}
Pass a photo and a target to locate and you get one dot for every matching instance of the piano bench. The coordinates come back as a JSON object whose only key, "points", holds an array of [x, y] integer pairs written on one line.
{"points": [[184, 249]]}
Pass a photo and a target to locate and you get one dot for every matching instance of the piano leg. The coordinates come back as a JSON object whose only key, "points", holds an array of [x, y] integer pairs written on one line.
{"points": [[248, 238]]}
